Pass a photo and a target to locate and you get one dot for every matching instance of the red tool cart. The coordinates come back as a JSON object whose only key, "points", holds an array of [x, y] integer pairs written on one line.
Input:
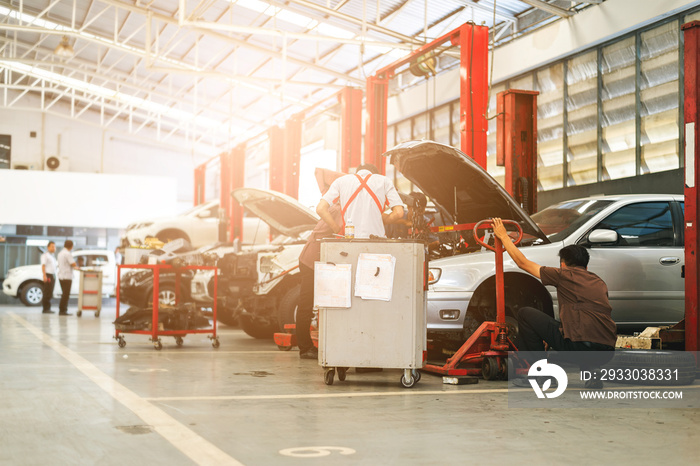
{"points": [[155, 333]]}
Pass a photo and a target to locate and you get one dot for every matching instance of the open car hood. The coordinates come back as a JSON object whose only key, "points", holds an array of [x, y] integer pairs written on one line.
{"points": [[458, 184], [283, 213]]}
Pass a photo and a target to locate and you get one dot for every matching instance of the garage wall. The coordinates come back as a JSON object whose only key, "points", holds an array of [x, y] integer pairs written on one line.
{"points": [[88, 148], [591, 27], [83, 199]]}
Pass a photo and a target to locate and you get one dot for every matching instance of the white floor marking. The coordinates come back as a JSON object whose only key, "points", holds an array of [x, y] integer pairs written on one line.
{"points": [[189, 443], [379, 394], [315, 452]]}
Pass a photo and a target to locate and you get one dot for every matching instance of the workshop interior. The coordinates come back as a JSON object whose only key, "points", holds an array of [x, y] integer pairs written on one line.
{"points": [[349, 232]]}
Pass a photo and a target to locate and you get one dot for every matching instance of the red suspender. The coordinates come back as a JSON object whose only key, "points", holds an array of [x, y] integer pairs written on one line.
{"points": [[363, 185]]}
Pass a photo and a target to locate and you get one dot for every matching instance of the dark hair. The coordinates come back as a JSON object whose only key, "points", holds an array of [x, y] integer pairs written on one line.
{"points": [[419, 199], [574, 256], [370, 167], [68, 244], [50, 243]]}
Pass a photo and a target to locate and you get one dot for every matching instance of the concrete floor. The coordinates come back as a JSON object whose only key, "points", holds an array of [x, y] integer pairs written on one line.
{"points": [[70, 395]]}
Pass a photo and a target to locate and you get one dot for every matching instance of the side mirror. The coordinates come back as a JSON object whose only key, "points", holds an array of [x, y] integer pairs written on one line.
{"points": [[603, 236], [204, 214]]}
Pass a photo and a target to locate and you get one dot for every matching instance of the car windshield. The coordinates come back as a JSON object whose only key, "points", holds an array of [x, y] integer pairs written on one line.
{"points": [[198, 208], [560, 220]]}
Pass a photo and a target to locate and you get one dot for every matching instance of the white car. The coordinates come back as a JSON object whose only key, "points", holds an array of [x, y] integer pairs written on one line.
{"points": [[26, 282], [635, 244], [199, 226]]}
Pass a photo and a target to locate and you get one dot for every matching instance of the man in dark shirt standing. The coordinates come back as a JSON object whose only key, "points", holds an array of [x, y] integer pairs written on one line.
{"points": [[584, 309]]}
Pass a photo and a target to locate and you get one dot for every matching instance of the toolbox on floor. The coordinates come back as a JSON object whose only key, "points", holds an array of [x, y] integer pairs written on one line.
{"points": [[373, 333]]}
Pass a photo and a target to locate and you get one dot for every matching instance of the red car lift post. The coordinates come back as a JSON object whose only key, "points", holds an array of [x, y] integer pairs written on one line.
{"points": [[485, 353], [473, 42], [516, 145], [691, 33]]}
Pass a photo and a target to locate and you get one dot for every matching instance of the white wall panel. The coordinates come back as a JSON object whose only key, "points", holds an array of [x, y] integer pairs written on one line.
{"points": [[83, 199]]}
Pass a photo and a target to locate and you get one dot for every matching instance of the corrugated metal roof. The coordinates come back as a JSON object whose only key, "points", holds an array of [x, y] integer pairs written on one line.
{"points": [[252, 52]]}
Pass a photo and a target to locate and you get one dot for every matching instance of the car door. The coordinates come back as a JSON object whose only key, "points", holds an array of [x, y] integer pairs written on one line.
{"points": [[643, 268]]}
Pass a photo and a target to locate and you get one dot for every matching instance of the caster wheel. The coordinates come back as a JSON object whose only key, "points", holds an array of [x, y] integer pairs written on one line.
{"points": [[342, 373], [284, 348], [121, 342], [178, 341], [503, 372], [408, 383], [215, 343], [79, 313], [158, 345], [489, 368], [416, 375], [329, 376]]}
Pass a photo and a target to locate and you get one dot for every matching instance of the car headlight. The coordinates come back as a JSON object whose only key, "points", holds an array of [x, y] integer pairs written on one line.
{"points": [[434, 275]]}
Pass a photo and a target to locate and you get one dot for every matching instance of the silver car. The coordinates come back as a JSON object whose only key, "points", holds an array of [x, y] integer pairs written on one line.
{"points": [[635, 243]]}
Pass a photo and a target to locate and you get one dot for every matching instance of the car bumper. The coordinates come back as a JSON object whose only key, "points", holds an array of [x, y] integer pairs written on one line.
{"points": [[446, 310], [9, 288]]}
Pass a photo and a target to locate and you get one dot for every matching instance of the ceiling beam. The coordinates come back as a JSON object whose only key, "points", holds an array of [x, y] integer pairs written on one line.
{"points": [[241, 43], [549, 8]]}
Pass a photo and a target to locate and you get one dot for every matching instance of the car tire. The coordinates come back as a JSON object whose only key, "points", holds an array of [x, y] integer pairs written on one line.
{"points": [[31, 293], [166, 296], [256, 329], [287, 310], [682, 362]]}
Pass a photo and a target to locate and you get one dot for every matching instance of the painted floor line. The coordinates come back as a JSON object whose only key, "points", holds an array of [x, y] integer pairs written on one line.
{"points": [[188, 442], [397, 393]]}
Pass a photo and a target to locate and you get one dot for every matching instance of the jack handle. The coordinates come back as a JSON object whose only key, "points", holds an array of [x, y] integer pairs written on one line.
{"points": [[488, 223]]}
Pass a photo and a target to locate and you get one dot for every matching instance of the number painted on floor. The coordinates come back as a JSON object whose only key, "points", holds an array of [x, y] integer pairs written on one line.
{"points": [[315, 452]]}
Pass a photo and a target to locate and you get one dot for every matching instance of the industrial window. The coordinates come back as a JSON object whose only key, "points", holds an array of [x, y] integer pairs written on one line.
{"points": [[441, 125], [5, 150], [582, 118], [642, 224], [550, 126], [619, 109], [659, 88]]}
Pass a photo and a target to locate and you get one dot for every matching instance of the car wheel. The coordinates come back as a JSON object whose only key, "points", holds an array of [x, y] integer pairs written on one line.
{"points": [[257, 329], [287, 310], [166, 296], [31, 294]]}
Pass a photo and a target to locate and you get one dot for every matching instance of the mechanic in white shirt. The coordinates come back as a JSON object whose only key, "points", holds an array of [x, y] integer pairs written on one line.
{"points": [[66, 264], [363, 197], [48, 270]]}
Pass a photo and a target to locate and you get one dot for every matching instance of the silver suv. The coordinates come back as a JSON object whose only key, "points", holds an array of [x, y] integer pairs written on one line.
{"points": [[635, 243]]}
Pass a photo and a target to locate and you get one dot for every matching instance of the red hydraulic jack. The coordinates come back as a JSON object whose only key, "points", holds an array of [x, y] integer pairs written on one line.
{"points": [[287, 340], [485, 353]]}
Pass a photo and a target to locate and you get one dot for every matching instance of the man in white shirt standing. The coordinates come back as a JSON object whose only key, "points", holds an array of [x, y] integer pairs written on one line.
{"points": [[363, 197], [66, 264], [48, 269]]}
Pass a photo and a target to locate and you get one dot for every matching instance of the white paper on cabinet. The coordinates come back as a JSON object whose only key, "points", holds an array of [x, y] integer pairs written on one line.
{"points": [[332, 285], [375, 276]]}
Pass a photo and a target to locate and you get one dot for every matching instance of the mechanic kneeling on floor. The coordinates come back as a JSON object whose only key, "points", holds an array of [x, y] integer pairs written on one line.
{"points": [[584, 309]]}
